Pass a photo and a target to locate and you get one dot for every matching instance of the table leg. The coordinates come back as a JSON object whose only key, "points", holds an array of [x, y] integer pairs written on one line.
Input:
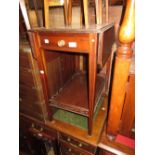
{"points": [[92, 79]]}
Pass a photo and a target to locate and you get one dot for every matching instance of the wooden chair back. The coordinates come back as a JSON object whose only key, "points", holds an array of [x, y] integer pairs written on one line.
{"points": [[84, 13], [66, 4]]}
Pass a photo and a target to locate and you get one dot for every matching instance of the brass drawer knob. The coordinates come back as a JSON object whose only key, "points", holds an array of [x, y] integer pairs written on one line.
{"points": [[40, 134], [69, 149], [80, 144], [41, 72], [61, 43], [68, 139], [20, 99], [32, 125], [46, 41]]}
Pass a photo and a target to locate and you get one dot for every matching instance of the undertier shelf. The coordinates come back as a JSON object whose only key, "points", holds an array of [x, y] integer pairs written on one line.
{"points": [[76, 119], [73, 96]]}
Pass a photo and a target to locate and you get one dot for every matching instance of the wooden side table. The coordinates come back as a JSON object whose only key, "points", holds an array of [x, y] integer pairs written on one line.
{"points": [[64, 86]]}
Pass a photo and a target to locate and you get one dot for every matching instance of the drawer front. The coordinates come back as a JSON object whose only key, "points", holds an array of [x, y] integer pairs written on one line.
{"points": [[24, 124], [30, 90], [67, 149], [26, 77], [42, 134], [31, 112], [65, 42], [30, 102], [50, 132], [25, 59], [38, 130], [31, 105], [28, 93], [78, 143]]}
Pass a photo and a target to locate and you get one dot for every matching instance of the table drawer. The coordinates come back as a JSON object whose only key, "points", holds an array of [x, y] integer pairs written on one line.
{"points": [[78, 143], [67, 149], [65, 42]]}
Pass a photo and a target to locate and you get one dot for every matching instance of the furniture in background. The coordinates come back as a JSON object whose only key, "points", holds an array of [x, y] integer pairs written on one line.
{"points": [[121, 73], [31, 98], [66, 4], [66, 138], [121, 112], [40, 11], [127, 127], [36, 137]]}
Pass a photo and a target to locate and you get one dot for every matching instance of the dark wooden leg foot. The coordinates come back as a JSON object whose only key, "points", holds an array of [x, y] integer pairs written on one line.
{"points": [[90, 125], [55, 147]]}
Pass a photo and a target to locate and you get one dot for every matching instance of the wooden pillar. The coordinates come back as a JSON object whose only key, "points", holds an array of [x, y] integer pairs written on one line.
{"points": [[92, 78], [121, 70]]}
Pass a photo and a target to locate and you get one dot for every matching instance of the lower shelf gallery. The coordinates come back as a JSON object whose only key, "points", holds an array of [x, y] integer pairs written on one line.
{"points": [[77, 120], [73, 96]]}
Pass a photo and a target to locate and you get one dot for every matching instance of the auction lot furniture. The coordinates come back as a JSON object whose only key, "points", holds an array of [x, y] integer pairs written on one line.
{"points": [[65, 85]]}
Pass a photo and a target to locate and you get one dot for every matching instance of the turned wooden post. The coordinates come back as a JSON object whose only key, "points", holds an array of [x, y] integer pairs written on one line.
{"points": [[121, 70]]}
